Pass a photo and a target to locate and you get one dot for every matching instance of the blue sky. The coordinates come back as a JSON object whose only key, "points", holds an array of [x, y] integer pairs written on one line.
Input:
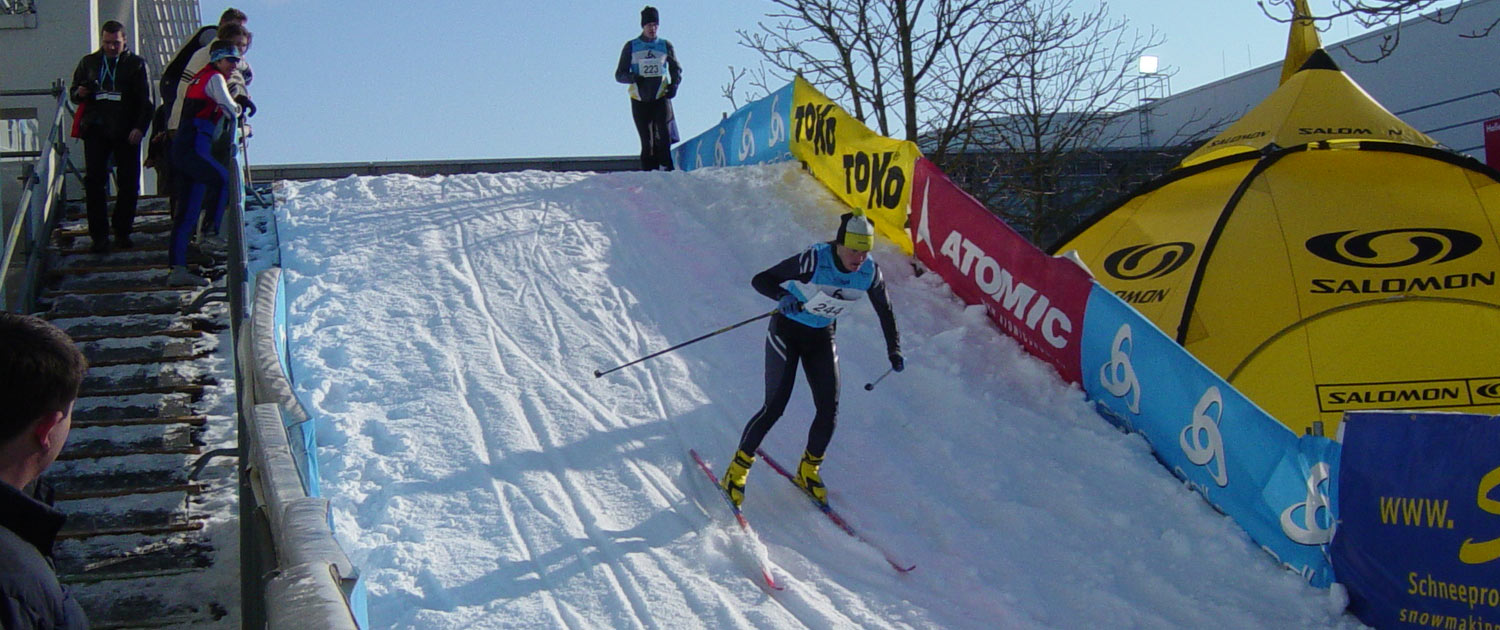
{"points": [[465, 79]]}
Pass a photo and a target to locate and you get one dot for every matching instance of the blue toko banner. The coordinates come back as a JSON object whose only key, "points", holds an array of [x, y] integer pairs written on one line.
{"points": [[754, 134], [1418, 542], [1275, 484]]}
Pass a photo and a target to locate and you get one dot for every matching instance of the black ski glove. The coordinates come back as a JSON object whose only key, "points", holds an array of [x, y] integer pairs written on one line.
{"points": [[897, 363], [246, 103], [671, 91]]}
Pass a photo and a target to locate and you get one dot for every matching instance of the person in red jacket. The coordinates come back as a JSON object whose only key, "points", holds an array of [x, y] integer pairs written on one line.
{"points": [[207, 112]]}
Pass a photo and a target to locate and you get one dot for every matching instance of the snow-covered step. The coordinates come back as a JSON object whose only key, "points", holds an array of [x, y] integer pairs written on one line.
{"points": [[92, 328], [113, 278], [115, 441], [145, 223], [132, 378], [116, 351], [183, 599], [129, 556], [117, 476], [196, 421], [119, 408], [146, 299], [149, 513]]}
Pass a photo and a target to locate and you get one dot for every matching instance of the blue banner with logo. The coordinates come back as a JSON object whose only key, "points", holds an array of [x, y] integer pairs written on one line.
{"points": [[753, 134], [1274, 484], [1418, 542]]}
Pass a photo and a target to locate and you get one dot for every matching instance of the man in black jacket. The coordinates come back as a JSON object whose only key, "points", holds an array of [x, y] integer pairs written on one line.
{"points": [[112, 89], [648, 64], [40, 373]]}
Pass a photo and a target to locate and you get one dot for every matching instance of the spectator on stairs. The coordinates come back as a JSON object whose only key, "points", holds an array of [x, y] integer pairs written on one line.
{"points": [[114, 98], [201, 178]]}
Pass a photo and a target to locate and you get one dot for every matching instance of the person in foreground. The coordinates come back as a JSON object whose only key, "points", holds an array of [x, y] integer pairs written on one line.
{"points": [[812, 289], [40, 373]]}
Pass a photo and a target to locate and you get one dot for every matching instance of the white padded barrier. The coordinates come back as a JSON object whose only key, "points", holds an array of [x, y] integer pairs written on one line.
{"points": [[307, 597], [271, 460], [312, 584], [271, 384]]}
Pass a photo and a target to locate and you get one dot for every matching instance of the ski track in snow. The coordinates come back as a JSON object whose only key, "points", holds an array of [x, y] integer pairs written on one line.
{"points": [[444, 335]]}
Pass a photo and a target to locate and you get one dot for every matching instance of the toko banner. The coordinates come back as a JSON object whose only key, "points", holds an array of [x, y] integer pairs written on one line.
{"points": [[1418, 543], [1035, 298], [753, 134], [868, 171], [1274, 484]]}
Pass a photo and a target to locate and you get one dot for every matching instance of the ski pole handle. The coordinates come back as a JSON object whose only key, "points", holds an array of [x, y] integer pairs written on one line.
{"points": [[871, 386]]}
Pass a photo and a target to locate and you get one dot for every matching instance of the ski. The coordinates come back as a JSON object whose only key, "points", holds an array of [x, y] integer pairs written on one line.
{"points": [[765, 569], [834, 516]]}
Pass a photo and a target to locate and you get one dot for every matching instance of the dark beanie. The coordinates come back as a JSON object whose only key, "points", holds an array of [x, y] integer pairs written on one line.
{"points": [[648, 15]]}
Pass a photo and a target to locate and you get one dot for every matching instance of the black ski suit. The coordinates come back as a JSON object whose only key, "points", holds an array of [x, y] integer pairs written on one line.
{"points": [[789, 342]]}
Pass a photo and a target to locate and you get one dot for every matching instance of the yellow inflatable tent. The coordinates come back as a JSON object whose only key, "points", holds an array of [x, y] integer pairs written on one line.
{"points": [[1319, 254]]}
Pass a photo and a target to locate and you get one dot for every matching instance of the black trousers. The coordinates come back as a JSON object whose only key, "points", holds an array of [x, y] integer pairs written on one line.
{"points": [[651, 126], [97, 152], [787, 344]]}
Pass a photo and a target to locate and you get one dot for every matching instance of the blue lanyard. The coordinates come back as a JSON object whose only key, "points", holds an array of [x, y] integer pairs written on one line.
{"points": [[106, 72]]}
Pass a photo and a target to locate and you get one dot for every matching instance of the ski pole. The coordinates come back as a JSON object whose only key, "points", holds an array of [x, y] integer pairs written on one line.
{"points": [[870, 386], [599, 373]]}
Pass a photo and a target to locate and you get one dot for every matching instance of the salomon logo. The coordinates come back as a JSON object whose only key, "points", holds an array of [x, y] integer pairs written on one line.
{"points": [[1488, 390], [1129, 263], [1437, 245]]}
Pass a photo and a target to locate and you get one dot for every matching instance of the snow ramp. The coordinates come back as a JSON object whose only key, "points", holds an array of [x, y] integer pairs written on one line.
{"points": [[444, 334]]}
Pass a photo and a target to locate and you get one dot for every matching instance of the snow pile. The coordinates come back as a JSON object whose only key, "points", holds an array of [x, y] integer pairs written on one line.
{"points": [[445, 332]]}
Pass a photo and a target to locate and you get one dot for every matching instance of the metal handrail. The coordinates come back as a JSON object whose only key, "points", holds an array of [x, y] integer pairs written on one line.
{"points": [[34, 213]]}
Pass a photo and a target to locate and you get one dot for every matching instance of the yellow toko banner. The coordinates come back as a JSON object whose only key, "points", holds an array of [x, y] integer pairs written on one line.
{"points": [[870, 172]]}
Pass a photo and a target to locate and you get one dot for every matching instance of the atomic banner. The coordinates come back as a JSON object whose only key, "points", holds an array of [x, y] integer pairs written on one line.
{"points": [[1035, 298]]}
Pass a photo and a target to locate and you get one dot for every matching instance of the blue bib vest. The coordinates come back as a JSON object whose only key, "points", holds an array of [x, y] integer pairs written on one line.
{"points": [[649, 60], [828, 278]]}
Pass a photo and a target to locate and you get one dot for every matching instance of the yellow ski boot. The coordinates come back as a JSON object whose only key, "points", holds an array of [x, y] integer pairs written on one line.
{"points": [[734, 478], [807, 477]]}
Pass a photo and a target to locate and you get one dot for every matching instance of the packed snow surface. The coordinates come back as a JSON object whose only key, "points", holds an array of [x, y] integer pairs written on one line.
{"points": [[445, 332]]}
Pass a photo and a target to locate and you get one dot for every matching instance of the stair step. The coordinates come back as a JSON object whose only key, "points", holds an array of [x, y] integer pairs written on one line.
{"points": [[156, 300], [145, 349], [117, 326], [147, 223], [120, 476], [187, 599], [127, 513], [146, 439], [127, 379], [196, 421]]}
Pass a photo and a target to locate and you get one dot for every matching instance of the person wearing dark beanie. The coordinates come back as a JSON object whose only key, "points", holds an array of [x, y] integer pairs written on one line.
{"points": [[648, 64]]}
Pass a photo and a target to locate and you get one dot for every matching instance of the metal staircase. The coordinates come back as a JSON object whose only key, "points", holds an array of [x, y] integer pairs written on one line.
{"points": [[149, 506]]}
